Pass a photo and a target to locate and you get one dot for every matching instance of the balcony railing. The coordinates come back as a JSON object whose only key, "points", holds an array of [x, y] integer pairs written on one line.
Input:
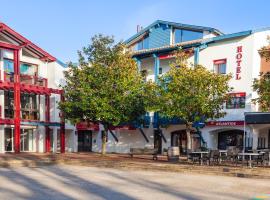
{"points": [[27, 79]]}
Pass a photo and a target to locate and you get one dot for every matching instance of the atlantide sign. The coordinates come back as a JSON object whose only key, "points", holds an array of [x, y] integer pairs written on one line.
{"points": [[239, 56], [225, 123]]}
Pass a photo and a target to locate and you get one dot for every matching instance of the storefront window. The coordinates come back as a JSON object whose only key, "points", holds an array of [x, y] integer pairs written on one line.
{"points": [[9, 139], [232, 138], [236, 101], [27, 140]]}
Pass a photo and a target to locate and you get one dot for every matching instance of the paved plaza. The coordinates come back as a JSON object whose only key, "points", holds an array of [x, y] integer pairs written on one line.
{"points": [[82, 182]]}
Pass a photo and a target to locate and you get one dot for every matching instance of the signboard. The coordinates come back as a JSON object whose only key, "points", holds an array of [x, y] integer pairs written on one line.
{"points": [[238, 94], [87, 126], [238, 57], [124, 127], [167, 56], [225, 123]]}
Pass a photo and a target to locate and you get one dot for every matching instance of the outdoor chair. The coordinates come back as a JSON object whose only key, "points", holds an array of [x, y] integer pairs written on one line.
{"points": [[193, 157], [214, 156], [264, 158], [232, 156]]}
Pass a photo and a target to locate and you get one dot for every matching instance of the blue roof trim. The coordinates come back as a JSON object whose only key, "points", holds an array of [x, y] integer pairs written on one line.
{"points": [[261, 29], [174, 24], [41, 123], [168, 49], [228, 36], [61, 63]]}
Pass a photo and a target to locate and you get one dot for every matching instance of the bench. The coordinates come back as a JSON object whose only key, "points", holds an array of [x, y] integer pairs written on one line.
{"points": [[144, 151]]}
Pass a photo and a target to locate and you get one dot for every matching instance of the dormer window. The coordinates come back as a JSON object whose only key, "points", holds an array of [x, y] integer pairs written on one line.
{"points": [[182, 35], [143, 44]]}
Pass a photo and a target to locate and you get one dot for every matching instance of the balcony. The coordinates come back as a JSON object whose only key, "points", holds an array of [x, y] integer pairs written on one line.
{"points": [[27, 79]]}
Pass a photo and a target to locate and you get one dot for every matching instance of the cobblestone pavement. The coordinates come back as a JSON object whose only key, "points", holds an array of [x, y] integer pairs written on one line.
{"points": [[82, 182]]}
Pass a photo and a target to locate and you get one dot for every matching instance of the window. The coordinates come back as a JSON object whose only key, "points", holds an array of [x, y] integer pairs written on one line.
{"points": [[8, 66], [261, 143], [25, 68], [177, 35], [28, 69], [191, 35], [143, 44], [220, 66], [160, 70], [236, 100], [181, 35], [29, 106], [9, 104]]}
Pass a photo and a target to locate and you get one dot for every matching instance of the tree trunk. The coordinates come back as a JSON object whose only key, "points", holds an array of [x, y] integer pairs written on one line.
{"points": [[104, 138], [188, 129]]}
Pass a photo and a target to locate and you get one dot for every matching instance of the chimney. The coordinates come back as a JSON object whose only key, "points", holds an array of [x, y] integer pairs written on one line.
{"points": [[138, 28]]}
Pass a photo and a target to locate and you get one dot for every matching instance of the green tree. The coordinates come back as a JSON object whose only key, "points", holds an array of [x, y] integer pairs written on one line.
{"points": [[192, 93], [106, 88], [262, 87]]}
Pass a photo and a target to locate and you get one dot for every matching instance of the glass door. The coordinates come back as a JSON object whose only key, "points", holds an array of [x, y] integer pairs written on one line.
{"points": [[27, 140], [9, 139]]}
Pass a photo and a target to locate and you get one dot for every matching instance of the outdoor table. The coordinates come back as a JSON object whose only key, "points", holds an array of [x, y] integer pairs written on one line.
{"points": [[222, 152], [249, 155], [201, 154]]}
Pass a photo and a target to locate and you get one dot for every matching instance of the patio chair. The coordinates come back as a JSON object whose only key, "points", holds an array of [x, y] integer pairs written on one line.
{"points": [[232, 156], [264, 158], [214, 156], [193, 157]]}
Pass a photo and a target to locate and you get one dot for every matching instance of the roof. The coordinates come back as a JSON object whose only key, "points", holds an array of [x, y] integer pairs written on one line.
{"points": [[25, 43], [173, 24], [192, 43]]}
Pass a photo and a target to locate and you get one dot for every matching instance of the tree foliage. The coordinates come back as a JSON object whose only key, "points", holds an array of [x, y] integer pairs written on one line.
{"points": [[106, 88], [192, 93], [262, 87]]}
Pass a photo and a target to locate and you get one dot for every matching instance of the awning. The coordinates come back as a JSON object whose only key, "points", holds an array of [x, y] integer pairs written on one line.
{"points": [[257, 117]]}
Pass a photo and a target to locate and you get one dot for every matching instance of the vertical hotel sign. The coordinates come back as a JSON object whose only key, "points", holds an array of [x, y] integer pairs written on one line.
{"points": [[239, 55]]}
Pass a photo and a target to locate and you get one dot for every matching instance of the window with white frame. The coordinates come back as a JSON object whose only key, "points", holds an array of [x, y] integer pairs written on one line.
{"points": [[220, 66]]}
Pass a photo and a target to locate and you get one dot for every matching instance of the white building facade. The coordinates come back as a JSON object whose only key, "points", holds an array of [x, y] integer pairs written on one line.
{"points": [[235, 53]]}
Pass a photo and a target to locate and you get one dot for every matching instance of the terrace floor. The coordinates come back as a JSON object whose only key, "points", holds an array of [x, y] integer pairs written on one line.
{"points": [[95, 183], [123, 161]]}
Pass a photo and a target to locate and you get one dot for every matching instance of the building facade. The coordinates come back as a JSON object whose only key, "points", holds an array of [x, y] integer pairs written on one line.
{"points": [[235, 53], [29, 93]]}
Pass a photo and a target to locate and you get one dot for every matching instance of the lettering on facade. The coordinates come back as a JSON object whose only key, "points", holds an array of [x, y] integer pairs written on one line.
{"points": [[225, 123], [239, 55]]}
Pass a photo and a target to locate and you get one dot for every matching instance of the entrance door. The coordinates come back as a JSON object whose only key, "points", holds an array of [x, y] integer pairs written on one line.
{"points": [[51, 140], [158, 141], [27, 140], [84, 141], [179, 139], [268, 139], [231, 138], [9, 139]]}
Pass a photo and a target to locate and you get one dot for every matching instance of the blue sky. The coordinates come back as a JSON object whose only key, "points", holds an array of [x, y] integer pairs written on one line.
{"points": [[64, 26]]}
